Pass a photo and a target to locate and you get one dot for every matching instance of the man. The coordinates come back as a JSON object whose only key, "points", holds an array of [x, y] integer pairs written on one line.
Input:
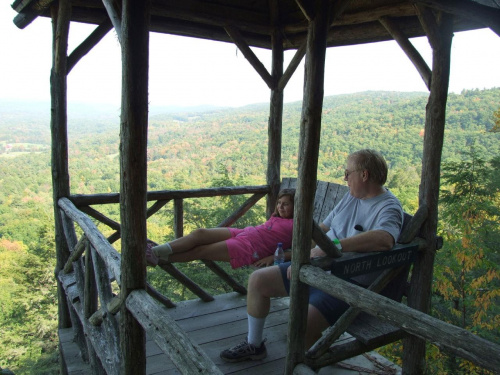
{"points": [[369, 218]]}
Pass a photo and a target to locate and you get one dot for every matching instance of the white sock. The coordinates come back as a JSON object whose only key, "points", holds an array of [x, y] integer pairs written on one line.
{"points": [[255, 330], [162, 251]]}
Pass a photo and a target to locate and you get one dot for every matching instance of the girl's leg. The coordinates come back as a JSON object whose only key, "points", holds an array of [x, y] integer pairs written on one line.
{"points": [[214, 251], [199, 237]]}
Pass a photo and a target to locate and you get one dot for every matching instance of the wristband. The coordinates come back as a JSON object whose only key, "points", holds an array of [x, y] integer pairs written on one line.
{"points": [[336, 242]]}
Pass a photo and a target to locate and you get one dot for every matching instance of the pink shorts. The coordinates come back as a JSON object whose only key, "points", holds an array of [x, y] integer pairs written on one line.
{"points": [[240, 250]]}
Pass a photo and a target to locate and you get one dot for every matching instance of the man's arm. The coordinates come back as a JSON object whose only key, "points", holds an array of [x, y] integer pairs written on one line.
{"points": [[374, 240]]}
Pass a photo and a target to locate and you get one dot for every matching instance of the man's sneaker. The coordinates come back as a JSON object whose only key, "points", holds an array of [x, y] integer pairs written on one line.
{"points": [[151, 258], [243, 352]]}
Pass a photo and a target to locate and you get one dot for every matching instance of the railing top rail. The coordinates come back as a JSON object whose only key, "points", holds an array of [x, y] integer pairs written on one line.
{"points": [[110, 198]]}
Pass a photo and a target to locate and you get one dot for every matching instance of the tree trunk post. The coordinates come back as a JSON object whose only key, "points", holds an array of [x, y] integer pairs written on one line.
{"points": [[310, 129], [421, 283], [275, 113], [133, 175], [61, 14]]}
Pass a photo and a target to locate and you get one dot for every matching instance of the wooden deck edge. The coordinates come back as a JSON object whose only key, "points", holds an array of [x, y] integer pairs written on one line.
{"points": [[70, 354]]}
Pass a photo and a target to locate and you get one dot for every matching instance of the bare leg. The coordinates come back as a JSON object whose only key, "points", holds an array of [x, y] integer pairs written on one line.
{"points": [[214, 251], [316, 323], [198, 238], [262, 285]]}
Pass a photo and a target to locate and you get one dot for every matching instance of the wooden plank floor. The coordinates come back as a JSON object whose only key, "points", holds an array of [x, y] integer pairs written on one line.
{"points": [[221, 324]]}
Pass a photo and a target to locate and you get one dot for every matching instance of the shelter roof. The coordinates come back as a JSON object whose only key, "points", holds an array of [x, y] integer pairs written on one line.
{"points": [[256, 19]]}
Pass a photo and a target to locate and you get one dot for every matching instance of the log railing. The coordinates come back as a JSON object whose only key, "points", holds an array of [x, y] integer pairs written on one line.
{"points": [[450, 338], [94, 265]]}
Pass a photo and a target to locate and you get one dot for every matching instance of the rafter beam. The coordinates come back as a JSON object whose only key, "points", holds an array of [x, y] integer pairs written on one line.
{"points": [[114, 13], [240, 42], [408, 48], [89, 43]]}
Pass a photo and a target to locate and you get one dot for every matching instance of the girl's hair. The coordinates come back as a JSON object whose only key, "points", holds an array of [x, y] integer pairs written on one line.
{"points": [[285, 192]]}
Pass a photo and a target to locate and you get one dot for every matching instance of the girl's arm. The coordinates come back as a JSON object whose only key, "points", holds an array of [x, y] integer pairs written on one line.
{"points": [[269, 260]]}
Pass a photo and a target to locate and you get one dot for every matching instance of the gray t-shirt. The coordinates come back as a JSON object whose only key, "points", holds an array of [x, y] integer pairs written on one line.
{"points": [[383, 212]]}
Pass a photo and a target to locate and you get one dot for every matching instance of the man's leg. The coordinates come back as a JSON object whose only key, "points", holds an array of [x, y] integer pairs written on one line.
{"points": [[316, 324], [262, 285]]}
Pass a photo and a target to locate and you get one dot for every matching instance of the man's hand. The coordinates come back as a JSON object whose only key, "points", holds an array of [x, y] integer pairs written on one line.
{"points": [[317, 252]]}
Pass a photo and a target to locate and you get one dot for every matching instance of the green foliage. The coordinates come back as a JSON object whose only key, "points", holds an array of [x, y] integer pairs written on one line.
{"points": [[467, 271], [227, 148], [28, 304]]}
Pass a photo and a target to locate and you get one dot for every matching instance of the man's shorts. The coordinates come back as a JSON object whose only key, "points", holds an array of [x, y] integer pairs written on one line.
{"points": [[330, 307]]}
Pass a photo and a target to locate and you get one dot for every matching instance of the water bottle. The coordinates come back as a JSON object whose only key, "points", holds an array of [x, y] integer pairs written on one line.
{"points": [[279, 254]]}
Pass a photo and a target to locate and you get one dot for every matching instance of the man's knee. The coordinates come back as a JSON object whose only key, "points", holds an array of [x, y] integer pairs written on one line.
{"points": [[266, 282]]}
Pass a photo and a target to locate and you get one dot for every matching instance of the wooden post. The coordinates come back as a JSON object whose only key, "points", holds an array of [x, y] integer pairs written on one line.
{"points": [[440, 37], [133, 175], [310, 129], [179, 217], [275, 113], [61, 14]]}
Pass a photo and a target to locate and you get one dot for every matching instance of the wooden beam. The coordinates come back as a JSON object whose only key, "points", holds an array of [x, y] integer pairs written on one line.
{"points": [[292, 67], [275, 124], [408, 48], [110, 256], [338, 9], [453, 339], [211, 14], [430, 25], [114, 13], [178, 218], [186, 281], [187, 356], [30, 10], [90, 199], [310, 130], [250, 56], [306, 9], [90, 293], [488, 16], [134, 35], [435, 119], [61, 14], [88, 43]]}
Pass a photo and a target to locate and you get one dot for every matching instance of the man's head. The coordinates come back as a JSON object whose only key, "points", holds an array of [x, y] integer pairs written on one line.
{"points": [[371, 161], [366, 173]]}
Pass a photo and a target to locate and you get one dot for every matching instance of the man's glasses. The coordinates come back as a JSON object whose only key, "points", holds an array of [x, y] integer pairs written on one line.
{"points": [[347, 173]]}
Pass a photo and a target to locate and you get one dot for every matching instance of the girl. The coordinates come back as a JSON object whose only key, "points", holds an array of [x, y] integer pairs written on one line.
{"points": [[239, 247]]}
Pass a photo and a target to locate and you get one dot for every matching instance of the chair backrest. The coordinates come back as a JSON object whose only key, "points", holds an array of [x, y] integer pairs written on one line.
{"points": [[328, 194]]}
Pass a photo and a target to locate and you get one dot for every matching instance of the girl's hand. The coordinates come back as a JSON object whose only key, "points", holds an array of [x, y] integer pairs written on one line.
{"points": [[289, 272], [265, 262]]}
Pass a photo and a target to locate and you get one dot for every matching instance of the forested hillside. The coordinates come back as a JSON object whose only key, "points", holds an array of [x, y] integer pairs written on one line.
{"points": [[223, 146]]}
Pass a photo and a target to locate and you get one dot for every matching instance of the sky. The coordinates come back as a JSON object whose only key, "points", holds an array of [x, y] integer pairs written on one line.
{"points": [[191, 72]]}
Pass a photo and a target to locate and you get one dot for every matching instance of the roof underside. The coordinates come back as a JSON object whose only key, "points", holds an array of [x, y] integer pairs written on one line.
{"points": [[254, 19]]}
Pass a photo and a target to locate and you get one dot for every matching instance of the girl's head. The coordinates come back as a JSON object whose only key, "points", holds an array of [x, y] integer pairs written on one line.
{"points": [[284, 204]]}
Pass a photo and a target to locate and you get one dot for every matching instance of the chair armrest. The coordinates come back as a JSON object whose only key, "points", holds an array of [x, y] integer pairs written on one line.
{"points": [[354, 264]]}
